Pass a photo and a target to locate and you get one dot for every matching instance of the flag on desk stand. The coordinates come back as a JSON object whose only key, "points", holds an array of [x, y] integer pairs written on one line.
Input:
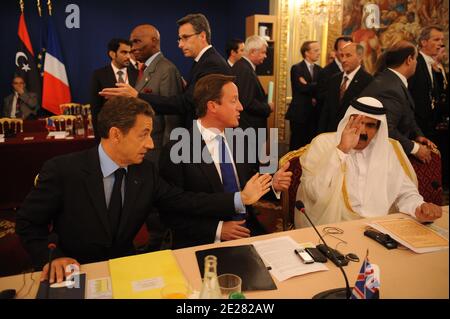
{"points": [[24, 60], [56, 88], [50, 125], [368, 282]]}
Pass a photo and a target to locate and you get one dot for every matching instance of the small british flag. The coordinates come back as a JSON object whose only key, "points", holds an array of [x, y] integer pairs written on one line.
{"points": [[50, 125], [368, 282]]}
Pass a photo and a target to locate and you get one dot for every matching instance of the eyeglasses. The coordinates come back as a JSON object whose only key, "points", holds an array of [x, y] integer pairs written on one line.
{"points": [[186, 37]]}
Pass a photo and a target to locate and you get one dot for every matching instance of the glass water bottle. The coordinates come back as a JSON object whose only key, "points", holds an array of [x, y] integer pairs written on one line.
{"points": [[210, 288]]}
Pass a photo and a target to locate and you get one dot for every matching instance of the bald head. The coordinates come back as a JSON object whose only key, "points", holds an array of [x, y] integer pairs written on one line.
{"points": [[145, 42]]}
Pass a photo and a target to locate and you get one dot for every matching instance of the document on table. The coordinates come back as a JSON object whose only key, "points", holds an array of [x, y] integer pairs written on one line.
{"points": [[412, 234], [99, 288], [278, 254]]}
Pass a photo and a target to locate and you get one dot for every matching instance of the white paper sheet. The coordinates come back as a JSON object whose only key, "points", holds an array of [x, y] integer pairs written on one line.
{"points": [[278, 254]]}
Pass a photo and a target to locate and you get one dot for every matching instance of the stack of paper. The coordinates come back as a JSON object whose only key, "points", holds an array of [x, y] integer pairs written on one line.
{"points": [[412, 234], [279, 255], [143, 276]]}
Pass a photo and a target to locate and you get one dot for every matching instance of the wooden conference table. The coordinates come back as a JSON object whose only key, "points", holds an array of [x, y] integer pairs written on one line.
{"points": [[22, 159], [404, 274]]}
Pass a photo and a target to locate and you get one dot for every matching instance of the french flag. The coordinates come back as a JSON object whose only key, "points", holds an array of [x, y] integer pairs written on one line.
{"points": [[55, 88]]}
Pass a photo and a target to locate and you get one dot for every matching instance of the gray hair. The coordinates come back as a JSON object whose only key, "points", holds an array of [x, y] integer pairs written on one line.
{"points": [[426, 33], [254, 42]]}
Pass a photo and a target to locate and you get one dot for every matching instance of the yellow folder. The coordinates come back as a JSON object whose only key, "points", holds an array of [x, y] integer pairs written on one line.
{"points": [[143, 276]]}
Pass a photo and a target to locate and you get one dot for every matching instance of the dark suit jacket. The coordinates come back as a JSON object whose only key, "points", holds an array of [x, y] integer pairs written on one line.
{"points": [[325, 75], [183, 104], [29, 105], [334, 110], [200, 177], [390, 90], [251, 95], [105, 78], [70, 194], [422, 91], [301, 108]]}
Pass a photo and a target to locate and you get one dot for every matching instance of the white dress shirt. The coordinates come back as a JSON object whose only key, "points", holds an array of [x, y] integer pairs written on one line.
{"points": [[210, 138], [124, 75]]}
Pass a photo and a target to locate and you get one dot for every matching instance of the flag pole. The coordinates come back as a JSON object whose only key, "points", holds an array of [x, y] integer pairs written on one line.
{"points": [[22, 6], [38, 3], [49, 6]]}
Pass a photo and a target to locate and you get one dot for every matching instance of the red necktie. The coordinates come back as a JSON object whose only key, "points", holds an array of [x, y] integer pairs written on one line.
{"points": [[141, 71]]}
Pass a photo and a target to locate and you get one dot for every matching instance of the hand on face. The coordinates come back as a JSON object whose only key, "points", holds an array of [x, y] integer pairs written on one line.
{"points": [[351, 134]]}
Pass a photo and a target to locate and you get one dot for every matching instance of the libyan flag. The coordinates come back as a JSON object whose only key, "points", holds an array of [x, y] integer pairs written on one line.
{"points": [[25, 63]]}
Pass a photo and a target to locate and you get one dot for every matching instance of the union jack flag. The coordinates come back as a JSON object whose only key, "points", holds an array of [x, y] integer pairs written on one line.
{"points": [[368, 282], [50, 125]]}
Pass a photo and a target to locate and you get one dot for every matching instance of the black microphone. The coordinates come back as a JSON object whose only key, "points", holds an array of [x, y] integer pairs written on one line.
{"points": [[52, 243], [337, 293]]}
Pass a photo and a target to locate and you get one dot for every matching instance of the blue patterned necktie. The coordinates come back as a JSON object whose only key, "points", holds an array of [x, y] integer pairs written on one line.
{"points": [[229, 179]]}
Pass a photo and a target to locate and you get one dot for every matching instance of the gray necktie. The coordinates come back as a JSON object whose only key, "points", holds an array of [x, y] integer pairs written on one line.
{"points": [[311, 71], [120, 74]]}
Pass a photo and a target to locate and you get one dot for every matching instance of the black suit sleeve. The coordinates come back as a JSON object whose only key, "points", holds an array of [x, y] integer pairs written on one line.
{"points": [[182, 104], [96, 99], [37, 213], [172, 198], [247, 91], [201, 229], [308, 88]]}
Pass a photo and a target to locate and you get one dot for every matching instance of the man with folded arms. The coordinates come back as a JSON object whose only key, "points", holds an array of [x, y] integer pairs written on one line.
{"points": [[358, 172]]}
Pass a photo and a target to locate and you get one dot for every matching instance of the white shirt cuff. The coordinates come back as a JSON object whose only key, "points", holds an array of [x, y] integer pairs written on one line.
{"points": [[415, 148], [277, 194], [218, 232]]}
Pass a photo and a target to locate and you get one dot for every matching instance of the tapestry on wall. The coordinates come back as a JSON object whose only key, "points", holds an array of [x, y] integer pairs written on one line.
{"points": [[378, 24]]}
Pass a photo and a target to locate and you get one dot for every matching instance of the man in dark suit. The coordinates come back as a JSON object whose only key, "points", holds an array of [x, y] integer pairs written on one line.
{"points": [[331, 69], [194, 39], [251, 93], [211, 137], [97, 200], [422, 84], [20, 104], [234, 50], [390, 87], [302, 113], [343, 87], [119, 71]]}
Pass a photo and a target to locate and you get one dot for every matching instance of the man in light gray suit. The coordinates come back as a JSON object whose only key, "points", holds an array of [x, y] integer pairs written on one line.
{"points": [[20, 104], [157, 76]]}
